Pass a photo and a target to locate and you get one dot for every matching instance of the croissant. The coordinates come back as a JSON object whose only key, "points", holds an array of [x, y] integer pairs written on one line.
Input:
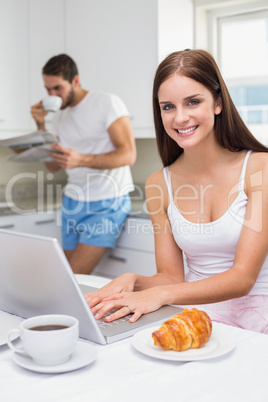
{"points": [[189, 329]]}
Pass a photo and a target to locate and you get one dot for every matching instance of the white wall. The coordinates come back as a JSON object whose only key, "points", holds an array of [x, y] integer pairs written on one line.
{"points": [[176, 29]]}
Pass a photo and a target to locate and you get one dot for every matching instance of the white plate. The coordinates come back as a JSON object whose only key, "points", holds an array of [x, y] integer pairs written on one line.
{"points": [[220, 343], [82, 356], [8, 322]]}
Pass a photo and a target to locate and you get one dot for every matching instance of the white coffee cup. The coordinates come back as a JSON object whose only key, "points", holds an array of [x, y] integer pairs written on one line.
{"points": [[52, 103], [47, 346]]}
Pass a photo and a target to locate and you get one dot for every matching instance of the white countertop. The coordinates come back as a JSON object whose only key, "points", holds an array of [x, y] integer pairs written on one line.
{"points": [[122, 374], [138, 207]]}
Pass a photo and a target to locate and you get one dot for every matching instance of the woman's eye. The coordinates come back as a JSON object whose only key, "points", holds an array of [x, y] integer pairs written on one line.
{"points": [[167, 107], [193, 102]]}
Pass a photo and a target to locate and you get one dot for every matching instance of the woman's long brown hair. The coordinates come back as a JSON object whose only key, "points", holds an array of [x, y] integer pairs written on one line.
{"points": [[230, 130]]}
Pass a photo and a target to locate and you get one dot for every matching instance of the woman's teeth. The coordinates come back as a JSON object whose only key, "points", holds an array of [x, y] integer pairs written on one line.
{"points": [[187, 131]]}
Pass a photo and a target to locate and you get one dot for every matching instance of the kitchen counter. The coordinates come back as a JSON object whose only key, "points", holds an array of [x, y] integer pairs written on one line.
{"points": [[30, 205], [28, 198]]}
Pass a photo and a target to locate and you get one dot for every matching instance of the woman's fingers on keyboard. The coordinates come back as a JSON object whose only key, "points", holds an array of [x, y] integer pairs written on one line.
{"points": [[101, 309], [93, 299], [123, 312], [115, 315], [110, 311]]}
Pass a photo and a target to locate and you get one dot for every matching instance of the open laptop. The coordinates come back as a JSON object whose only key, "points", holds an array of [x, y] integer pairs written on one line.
{"points": [[36, 278]]}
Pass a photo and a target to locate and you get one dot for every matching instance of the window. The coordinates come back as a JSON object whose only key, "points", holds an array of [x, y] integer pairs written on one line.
{"points": [[238, 38], [243, 59]]}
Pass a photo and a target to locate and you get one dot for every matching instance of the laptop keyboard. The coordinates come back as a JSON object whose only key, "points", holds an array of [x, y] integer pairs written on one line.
{"points": [[103, 324]]}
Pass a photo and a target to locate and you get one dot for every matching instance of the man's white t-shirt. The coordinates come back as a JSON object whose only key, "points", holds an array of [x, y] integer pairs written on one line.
{"points": [[84, 128]]}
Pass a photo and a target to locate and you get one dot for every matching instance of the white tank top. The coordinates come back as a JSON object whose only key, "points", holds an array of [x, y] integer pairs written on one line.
{"points": [[210, 248]]}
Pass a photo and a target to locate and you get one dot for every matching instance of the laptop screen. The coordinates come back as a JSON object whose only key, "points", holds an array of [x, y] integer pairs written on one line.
{"points": [[36, 278]]}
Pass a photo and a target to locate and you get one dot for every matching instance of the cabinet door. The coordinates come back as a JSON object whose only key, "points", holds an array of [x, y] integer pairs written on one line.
{"points": [[119, 261], [46, 39], [12, 222], [43, 224], [31, 31], [134, 251], [137, 234], [115, 48], [14, 71]]}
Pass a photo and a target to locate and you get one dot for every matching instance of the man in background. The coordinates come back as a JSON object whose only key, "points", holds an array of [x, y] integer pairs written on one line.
{"points": [[97, 147]]}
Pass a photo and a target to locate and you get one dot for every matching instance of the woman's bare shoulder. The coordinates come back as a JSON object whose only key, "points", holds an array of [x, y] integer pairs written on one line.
{"points": [[156, 192], [257, 161], [155, 178], [257, 170]]}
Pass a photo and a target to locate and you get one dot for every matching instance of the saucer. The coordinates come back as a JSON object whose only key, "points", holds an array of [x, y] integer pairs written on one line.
{"points": [[8, 322], [83, 355]]}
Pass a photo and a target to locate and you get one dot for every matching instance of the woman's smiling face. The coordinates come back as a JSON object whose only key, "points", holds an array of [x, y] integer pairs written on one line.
{"points": [[187, 110]]}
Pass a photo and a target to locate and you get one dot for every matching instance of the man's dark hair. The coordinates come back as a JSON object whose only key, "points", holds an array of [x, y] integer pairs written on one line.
{"points": [[62, 65]]}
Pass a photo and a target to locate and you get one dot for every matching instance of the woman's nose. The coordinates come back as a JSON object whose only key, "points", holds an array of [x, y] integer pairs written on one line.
{"points": [[181, 115]]}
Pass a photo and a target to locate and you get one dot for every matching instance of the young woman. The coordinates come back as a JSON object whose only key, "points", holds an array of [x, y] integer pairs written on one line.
{"points": [[209, 203]]}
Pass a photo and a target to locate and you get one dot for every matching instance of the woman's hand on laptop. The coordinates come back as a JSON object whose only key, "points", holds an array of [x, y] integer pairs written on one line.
{"points": [[123, 283], [124, 303]]}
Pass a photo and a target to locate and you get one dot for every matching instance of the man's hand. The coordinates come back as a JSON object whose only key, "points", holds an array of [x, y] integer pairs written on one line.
{"points": [[38, 113], [124, 153], [67, 158]]}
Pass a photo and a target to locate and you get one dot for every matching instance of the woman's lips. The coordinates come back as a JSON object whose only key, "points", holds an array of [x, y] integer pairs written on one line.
{"points": [[186, 132]]}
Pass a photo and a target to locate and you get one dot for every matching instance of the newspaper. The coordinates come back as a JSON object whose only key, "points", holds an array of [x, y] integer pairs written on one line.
{"points": [[33, 147]]}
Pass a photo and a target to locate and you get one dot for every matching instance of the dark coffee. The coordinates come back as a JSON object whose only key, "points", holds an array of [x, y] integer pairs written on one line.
{"points": [[52, 327]]}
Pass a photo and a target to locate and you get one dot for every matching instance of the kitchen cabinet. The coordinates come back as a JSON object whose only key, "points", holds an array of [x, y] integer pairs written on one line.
{"points": [[134, 251], [12, 222], [115, 48], [42, 224], [116, 44], [46, 39], [14, 66], [31, 31], [115, 52], [120, 43]]}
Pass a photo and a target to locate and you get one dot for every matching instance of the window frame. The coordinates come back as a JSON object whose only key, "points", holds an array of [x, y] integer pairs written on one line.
{"points": [[207, 14]]}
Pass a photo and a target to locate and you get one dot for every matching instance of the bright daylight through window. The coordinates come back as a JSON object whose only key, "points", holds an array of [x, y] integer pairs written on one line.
{"points": [[243, 58]]}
